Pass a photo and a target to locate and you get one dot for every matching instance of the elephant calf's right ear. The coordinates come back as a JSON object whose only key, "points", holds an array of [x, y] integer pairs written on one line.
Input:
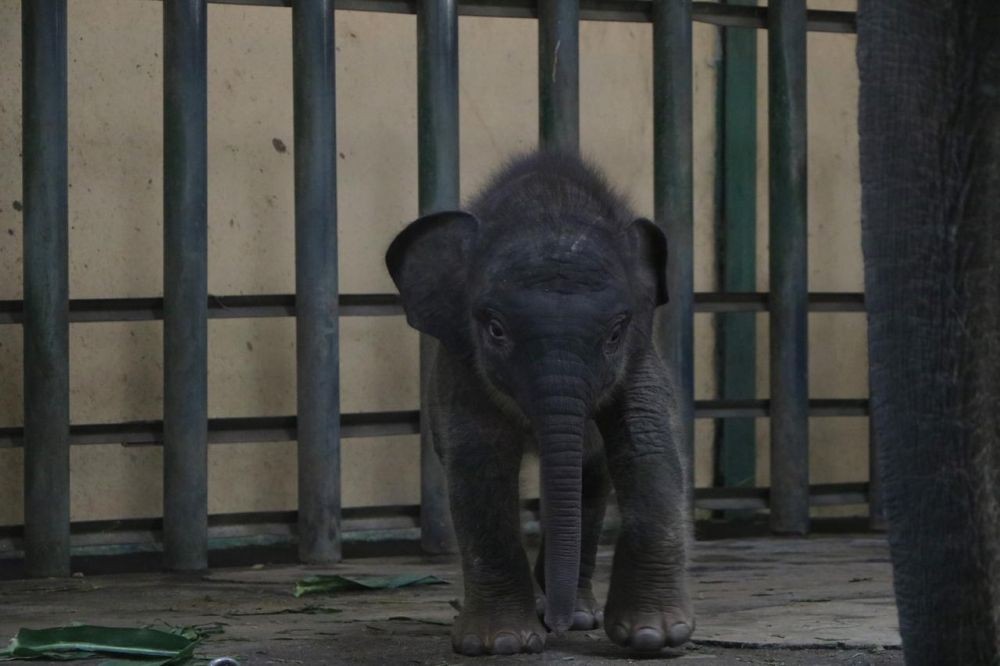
{"points": [[429, 261]]}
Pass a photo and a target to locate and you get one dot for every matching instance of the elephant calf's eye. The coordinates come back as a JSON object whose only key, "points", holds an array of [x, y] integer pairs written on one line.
{"points": [[614, 338], [496, 330]]}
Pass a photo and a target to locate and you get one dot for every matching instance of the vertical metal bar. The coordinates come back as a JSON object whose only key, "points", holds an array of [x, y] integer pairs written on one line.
{"points": [[437, 102], [736, 461], [559, 74], [316, 301], [674, 197], [788, 269], [46, 289], [185, 286]]}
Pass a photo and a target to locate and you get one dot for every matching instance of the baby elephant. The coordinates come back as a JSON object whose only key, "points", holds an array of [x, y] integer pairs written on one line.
{"points": [[542, 297]]}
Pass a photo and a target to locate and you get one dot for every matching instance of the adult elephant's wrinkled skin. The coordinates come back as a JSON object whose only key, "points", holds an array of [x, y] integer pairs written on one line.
{"points": [[542, 297], [930, 172]]}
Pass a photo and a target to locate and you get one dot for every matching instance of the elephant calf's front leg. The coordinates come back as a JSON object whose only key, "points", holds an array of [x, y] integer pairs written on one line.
{"points": [[498, 616], [648, 604]]}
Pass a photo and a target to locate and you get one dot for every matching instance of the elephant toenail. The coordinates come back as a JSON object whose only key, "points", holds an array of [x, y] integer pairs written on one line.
{"points": [[647, 639], [679, 634], [583, 620], [506, 644], [472, 646], [599, 617], [535, 643], [619, 634]]}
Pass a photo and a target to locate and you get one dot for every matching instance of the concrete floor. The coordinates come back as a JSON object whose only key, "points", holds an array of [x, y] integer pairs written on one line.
{"points": [[759, 601]]}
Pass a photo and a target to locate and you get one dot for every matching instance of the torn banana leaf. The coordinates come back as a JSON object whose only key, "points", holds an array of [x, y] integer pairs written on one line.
{"points": [[146, 646], [325, 583]]}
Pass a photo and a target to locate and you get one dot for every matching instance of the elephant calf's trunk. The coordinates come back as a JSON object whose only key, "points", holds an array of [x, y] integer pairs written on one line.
{"points": [[561, 453]]}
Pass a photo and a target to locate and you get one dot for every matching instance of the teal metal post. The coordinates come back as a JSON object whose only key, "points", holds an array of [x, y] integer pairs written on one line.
{"points": [[788, 268], [674, 197], [737, 242], [317, 333], [46, 289], [185, 286], [437, 118], [559, 74]]}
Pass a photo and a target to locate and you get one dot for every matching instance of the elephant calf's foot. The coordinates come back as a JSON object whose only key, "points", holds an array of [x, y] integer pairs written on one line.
{"points": [[587, 614], [649, 630], [484, 632]]}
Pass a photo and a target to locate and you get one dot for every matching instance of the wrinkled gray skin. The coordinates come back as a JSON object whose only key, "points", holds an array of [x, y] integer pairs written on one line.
{"points": [[542, 297], [930, 172]]}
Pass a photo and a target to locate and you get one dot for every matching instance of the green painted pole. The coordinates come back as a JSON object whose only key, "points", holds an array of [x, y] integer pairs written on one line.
{"points": [[46, 289], [788, 268], [437, 120], [674, 198], [317, 333], [559, 74], [737, 243], [185, 285]]}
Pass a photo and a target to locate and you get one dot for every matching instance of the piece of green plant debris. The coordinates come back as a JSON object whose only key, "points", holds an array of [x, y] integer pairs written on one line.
{"points": [[148, 646], [334, 583]]}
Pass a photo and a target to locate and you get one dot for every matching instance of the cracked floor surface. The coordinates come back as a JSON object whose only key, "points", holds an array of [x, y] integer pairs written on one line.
{"points": [[823, 600]]}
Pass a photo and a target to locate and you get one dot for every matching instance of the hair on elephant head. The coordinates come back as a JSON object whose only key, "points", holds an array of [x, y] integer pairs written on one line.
{"points": [[547, 287]]}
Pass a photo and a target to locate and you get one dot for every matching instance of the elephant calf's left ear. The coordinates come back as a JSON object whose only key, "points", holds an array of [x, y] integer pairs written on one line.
{"points": [[650, 246], [428, 261]]}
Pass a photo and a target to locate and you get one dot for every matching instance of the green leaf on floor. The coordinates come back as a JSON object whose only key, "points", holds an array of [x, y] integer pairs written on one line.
{"points": [[151, 647], [333, 583]]}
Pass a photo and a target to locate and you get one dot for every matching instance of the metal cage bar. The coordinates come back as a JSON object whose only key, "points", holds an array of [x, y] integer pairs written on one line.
{"points": [[46, 289], [316, 295], [673, 193], [186, 430], [736, 449], [639, 11], [94, 310], [788, 269], [559, 75], [374, 524], [185, 285], [250, 429], [437, 119]]}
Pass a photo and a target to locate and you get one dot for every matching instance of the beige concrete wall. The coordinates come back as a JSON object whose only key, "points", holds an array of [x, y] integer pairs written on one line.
{"points": [[116, 226]]}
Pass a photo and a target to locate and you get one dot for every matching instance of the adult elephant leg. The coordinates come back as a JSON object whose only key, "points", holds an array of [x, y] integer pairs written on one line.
{"points": [[930, 169], [588, 613]]}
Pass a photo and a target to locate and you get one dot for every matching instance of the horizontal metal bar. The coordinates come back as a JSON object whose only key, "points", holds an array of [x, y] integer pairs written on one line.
{"points": [[720, 409], [367, 524], [760, 302], [739, 16], [93, 310], [830, 494], [245, 430], [231, 430], [634, 11]]}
